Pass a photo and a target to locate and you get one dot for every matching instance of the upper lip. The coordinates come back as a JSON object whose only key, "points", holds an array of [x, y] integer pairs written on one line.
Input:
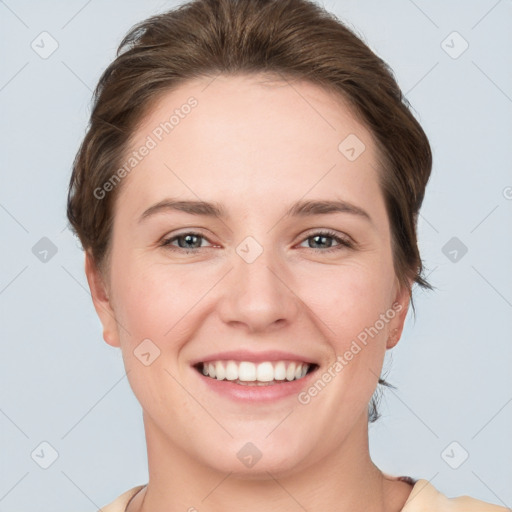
{"points": [[256, 357]]}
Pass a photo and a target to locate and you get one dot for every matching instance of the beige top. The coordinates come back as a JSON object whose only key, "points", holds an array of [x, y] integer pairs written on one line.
{"points": [[424, 497]]}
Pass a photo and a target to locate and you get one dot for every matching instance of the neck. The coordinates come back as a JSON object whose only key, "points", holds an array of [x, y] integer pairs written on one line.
{"points": [[346, 480]]}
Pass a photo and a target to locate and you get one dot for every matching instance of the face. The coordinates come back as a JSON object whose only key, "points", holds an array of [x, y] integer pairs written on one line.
{"points": [[275, 279]]}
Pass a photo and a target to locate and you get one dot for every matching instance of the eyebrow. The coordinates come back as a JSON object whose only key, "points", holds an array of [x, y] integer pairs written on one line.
{"points": [[216, 210]]}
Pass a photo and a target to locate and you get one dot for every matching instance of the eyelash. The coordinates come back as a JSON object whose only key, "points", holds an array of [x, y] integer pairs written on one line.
{"points": [[343, 242]]}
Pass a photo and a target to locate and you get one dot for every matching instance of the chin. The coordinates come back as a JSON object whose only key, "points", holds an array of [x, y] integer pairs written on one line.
{"points": [[254, 460]]}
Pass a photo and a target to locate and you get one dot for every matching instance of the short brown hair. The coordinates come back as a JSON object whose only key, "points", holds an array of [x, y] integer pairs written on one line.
{"points": [[295, 39]]}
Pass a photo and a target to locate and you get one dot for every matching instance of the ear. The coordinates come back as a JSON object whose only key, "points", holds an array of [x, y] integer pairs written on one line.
{"points": [[101, 301], [400, 306]]}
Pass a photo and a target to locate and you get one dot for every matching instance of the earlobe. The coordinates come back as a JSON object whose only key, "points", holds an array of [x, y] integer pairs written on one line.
{"points": [[101, 301], [393, 338], [95, 280], [401, 307]]}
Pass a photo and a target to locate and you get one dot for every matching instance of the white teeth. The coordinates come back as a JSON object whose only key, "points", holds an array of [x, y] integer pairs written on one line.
{"points": [[259, 373], [265, 372], [231, 371], [246, 371], [220, 371], [280, 371], [290, 372]]}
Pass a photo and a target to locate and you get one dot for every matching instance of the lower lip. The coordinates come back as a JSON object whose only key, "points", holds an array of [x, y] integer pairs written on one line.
{"points": [[255, 393]]}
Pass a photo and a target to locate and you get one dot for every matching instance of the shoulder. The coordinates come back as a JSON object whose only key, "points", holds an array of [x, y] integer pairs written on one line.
{"points": [[425, 497], [121, 502]]}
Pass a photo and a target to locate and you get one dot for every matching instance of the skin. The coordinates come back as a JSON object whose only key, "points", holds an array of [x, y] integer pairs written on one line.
{"points": [[255, 146]]}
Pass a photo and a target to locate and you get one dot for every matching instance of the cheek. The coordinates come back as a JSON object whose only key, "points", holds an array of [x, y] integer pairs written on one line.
{"points": [[355, 312], [354, 302], [350, 298], [153, 304], [158, 301]]}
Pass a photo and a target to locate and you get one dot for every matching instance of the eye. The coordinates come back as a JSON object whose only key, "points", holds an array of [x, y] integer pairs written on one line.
{"points": [[321, 238], [188, 242]]}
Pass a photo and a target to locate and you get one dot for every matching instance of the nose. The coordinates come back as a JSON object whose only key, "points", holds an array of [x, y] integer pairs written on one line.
{"points": [[258, 295]]}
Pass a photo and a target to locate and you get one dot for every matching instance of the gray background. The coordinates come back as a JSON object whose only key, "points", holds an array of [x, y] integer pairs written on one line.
{"points": [[63, 385]]}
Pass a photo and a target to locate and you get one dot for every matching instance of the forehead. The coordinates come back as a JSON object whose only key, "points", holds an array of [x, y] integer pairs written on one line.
{"points": [[256, 106], [250, 135]]}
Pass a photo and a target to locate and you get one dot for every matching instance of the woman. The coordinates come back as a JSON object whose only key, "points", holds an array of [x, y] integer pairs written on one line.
{"points": [[247, 196]]}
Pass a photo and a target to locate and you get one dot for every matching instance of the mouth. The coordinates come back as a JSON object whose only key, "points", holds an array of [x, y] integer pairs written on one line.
{"points": [[248, 373]]}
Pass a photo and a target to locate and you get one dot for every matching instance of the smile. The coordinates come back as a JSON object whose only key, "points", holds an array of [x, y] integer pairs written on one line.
{"points": [[247, 373]]}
